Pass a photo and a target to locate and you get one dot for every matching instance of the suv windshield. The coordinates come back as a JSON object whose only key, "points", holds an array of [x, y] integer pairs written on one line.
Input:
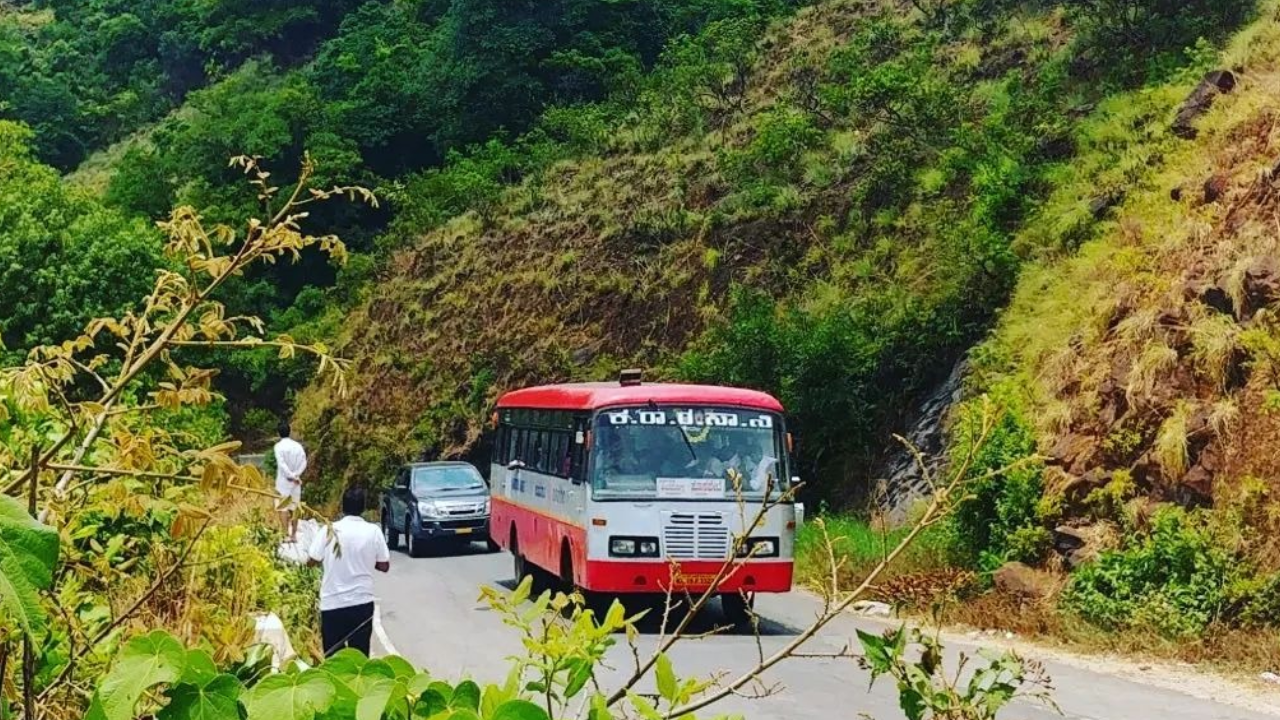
{"points": [[686, 452], [445, 478]]}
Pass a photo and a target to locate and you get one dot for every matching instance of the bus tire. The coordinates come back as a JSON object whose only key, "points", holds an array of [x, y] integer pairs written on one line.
{"points": [[597, 603], [518, 564], [739, 609]]}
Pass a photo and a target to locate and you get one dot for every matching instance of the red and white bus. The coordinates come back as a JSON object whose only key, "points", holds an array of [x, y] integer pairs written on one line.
{"points": [[609, 486]]}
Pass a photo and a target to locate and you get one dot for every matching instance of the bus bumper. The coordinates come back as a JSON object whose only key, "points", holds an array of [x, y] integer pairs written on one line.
{"points": [[692, 576]]}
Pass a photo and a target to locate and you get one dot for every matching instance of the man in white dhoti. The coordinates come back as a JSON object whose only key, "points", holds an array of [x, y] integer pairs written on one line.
{"points": [[291, 462]]}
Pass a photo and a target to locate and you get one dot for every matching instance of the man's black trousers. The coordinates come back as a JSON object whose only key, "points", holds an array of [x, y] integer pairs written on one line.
{"points": [[347, 627]]}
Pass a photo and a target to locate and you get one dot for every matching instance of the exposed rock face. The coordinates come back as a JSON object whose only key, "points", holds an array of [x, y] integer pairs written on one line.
{"points": [[901, 476], [1213, 84], [1015, 578]]}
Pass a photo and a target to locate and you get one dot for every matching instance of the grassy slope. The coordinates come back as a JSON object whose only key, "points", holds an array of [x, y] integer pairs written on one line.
{"points": [[1115, 347], [1143, 392]]}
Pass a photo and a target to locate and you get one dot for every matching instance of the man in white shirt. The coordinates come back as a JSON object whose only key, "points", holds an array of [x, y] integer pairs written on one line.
{"points": [[291, 462], [350, 550]]}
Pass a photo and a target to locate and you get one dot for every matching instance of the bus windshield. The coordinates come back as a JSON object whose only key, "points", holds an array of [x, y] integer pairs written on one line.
{"points": [[687, 453]]}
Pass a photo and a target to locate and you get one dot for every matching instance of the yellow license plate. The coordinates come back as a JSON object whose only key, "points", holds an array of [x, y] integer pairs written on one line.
{"points": [[463, 531], [694, 579]]}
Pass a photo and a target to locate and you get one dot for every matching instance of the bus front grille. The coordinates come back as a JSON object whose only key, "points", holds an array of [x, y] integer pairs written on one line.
{"points": [[700, 536]]}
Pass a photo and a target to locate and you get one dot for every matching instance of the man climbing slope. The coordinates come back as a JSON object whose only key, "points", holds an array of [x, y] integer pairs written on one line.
{"points": [[291, 462]]}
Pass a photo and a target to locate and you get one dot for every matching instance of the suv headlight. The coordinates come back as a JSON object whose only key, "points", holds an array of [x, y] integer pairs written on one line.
{"points": [[633, 547], [486, 506], [759, 547], [429, 509]]}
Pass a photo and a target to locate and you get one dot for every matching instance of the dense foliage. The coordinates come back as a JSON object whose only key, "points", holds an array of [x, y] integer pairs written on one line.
{"points": [[64, 258]]}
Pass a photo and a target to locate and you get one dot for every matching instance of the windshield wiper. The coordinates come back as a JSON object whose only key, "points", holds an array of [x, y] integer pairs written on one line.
{"points": [[688, 443]]}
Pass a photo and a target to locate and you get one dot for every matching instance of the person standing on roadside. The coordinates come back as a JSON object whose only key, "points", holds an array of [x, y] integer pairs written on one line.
{"points": [[350, 550], [291, 462]]}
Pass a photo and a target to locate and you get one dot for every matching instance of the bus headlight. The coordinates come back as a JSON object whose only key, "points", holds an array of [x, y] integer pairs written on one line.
{"points": [[633, 547], [759, 547]]}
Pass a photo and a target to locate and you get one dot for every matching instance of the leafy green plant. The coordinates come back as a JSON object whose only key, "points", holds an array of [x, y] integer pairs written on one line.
{"points": [[1175, 580], [557, 678], [913, 659], [28, 554]]}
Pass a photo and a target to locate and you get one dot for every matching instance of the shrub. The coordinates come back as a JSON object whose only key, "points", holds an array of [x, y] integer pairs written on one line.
{"points": [[1175, 580], [1138, 40], [999, 522]]}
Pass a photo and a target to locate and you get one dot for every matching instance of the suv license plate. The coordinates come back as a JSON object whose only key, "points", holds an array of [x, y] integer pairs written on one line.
{"points": [[463, 531]]}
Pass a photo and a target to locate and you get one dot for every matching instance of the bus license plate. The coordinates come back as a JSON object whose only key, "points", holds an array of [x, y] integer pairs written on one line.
{"points": [[698, 579], [463, 531]]}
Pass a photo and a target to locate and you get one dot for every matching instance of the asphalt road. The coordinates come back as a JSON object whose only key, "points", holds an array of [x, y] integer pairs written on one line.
{"points": [[429, 613]]}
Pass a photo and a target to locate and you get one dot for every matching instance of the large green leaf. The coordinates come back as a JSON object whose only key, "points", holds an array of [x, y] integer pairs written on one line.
{"points": [[665, 676], [380, 697], [216, 700], [519, 710], [28, 553], [143, 663], [199, 670], [290, 697]]}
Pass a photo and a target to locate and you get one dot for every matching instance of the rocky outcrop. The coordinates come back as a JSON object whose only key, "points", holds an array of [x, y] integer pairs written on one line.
{"points": [[1213, 84], [902, 481], [1015, 578]]}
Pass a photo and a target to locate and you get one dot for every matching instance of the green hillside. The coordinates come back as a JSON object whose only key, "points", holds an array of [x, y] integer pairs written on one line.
{"points": [[834, 213]]}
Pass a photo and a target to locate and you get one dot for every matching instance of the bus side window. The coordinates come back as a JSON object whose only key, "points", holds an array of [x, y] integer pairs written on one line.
{"points": [[509, 444], [500, 446], [543, 454], [562, 453], [519, 436], [578, 452]]}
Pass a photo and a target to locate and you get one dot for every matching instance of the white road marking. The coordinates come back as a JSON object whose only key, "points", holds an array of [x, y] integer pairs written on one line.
{"points": [[381, 632]]}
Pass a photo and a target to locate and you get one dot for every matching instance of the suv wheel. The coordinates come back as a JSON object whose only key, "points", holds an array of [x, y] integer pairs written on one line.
{"points": [[412, 544], [389, 531]]}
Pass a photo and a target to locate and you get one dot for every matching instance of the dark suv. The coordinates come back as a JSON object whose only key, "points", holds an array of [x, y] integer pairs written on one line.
{"points": [[434, 502]]}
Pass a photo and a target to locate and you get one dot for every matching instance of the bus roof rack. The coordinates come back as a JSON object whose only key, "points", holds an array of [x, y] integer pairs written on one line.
{"points": [[630, 377]]}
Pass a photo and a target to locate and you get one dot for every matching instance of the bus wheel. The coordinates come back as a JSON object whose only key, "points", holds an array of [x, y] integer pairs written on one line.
{"points": [[597, 603], [518, 565], [739, 609]]}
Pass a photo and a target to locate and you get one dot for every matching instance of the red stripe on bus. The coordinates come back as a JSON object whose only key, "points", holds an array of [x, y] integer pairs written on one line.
{"points": [[541, 536]]}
